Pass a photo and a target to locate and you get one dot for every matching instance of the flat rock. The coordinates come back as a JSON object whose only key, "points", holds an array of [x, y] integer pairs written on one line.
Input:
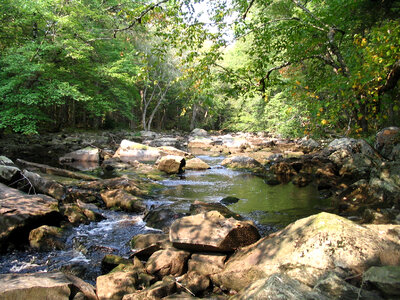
{"points": [[130, 151], [307, 249], [39, 286], [211, 231], [168, 150], [85, 154], [20, 213]]}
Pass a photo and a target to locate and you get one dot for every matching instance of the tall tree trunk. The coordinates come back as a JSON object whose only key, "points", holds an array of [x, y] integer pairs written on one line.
{"points": [[193, 120]]}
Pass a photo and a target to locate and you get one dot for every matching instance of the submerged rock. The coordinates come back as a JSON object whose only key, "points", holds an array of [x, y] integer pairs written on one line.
{"points": [[243, 163], [306, 250], [212, 232]]}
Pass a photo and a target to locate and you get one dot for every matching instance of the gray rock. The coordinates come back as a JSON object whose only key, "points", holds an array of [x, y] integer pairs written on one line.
{"points": [[278, 286], [309, 143], [199, 132], [9, 173], [386, 140], [243, 163], [386, 278], [337, 288]]}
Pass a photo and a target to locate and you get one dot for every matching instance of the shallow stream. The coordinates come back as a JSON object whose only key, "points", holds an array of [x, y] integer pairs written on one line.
{"points": [[271, 207]]}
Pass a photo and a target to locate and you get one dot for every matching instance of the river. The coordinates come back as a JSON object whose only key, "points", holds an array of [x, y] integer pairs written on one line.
{"points": [[270, 207]]}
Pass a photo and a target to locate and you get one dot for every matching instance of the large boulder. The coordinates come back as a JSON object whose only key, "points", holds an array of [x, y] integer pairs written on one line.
{"points": [[305, 251], [386, 140], [243, 163], [38, 286], [212, 232], [86, 154], [123, 200], [171, 164], [20, 213], [130, 151]]}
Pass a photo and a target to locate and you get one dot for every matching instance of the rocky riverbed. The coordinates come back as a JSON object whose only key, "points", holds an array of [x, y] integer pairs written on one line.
{"points": [[350, 251]]}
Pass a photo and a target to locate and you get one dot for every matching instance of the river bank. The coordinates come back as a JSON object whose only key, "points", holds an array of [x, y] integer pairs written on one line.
{"points": [[338, 171]]}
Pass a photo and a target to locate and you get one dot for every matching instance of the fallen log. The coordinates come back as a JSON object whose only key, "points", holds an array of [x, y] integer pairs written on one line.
{"points": [[55, 171]]}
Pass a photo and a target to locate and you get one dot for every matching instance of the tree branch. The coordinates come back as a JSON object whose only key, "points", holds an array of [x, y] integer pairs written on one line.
{"points": [[138, 20], [248, 9], [391, 79]]}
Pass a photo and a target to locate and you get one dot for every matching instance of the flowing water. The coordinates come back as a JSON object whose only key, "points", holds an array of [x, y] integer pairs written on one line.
{"points": [[271, 207]]}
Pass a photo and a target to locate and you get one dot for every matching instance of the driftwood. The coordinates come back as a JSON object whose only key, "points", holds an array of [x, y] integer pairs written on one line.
{"points": [[55, 171]]}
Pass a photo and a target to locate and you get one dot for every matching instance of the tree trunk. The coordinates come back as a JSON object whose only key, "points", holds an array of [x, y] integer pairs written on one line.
{"points": [[193, 120]]}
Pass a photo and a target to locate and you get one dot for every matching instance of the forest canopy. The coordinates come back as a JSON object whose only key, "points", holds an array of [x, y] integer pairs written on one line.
{"points": [[293, 67]]}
